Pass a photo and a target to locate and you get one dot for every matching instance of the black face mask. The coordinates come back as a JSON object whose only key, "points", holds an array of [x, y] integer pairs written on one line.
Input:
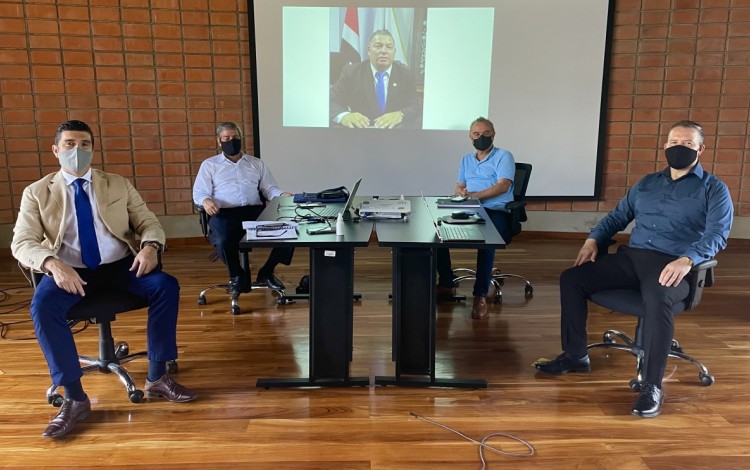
{"points": [[231, 147], [483, 142], [680, 157]]}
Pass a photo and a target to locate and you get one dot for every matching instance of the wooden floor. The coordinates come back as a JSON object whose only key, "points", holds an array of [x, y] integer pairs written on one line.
{"points": [[580, 421]]}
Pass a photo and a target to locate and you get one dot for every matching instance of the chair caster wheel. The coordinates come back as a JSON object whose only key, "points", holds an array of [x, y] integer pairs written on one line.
{"points": [[202, 300], [136, 396], [498, 299], [121, 350], [529, 291], [172, 367], [235, 310], [635, 385], [282, 301], [706, 379], [55, 400]]}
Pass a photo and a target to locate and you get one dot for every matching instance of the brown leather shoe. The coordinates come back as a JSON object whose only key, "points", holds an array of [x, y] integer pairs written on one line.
{"points": [[479, 310], [70, 413], [166, 387]]}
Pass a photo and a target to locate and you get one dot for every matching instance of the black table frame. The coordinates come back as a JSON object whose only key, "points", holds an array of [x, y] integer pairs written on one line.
{"points": [[415, 245], [331, 301]]}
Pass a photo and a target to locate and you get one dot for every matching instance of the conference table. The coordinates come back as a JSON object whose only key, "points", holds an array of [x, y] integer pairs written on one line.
{"points": [[331, 296], [414, 245]]}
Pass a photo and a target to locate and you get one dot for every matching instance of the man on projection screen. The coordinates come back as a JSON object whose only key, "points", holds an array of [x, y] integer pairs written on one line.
{"points": [[377, 92]]}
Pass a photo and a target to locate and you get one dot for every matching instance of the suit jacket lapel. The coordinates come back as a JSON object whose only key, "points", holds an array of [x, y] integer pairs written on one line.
{"points": [[58, 207], [100, 192]]}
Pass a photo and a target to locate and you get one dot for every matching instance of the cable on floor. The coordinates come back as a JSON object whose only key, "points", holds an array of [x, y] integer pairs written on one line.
{"points": [[482, 444]]}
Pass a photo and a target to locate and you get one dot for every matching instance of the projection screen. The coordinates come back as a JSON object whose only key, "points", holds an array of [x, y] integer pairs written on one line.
{"points": [[536, 68]]}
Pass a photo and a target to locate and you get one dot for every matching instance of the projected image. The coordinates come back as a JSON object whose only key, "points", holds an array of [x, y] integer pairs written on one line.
{"points": [[377, 68], [385, 68]]}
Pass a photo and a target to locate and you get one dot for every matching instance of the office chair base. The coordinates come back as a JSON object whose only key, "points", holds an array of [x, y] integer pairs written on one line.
{"points": [[628, 344], [282, 298], [497, 281]]}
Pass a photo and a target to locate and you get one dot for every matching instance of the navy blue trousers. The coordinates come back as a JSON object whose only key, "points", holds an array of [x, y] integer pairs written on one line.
{"points": [[50, 306], [632, 268], [485, 257]]}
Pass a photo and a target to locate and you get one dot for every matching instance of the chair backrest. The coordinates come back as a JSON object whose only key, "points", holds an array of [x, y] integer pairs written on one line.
{"points": [[521, 181], [517, 208]]}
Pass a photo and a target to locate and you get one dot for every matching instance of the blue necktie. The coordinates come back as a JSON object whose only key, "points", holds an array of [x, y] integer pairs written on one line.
{"points": [[380, 89], [86, 233]]}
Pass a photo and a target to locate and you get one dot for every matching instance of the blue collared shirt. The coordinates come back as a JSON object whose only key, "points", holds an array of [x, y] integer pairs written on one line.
{"points": [[480, 175], [690, 216]]}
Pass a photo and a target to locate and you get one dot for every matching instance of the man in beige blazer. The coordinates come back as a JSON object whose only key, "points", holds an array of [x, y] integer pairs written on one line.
{"points": [[79, 226]]}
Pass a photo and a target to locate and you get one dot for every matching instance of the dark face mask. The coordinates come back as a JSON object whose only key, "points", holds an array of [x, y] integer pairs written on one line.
{"points": [[680, 157], [231, 147], [483, 142]]}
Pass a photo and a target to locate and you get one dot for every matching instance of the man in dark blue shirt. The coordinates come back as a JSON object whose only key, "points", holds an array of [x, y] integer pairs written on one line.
{"points": [[682, 216]]}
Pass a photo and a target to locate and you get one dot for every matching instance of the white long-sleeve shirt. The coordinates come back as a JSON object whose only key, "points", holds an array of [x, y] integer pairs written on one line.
{"points": [[232, 184]]}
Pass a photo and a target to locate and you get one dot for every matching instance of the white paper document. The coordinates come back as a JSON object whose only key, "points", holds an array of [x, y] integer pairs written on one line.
{"points": [[264, 230]]}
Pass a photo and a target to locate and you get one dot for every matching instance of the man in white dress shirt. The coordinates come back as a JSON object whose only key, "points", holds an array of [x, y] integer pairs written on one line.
{"points": [[229, 188]]}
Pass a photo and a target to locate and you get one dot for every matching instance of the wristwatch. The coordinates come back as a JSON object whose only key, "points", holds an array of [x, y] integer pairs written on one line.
{"points": [[158, 246]]}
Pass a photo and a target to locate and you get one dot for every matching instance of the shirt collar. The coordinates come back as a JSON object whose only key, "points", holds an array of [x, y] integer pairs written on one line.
{"points": [[374, 70], [697, 170], [70, 178]]}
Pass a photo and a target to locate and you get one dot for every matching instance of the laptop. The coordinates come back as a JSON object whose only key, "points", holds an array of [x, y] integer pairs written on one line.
{"points": [[331, 212], [454, 233]]}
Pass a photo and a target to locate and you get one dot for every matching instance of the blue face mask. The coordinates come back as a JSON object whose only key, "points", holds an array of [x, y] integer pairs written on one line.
{"points": [[231, 147]]}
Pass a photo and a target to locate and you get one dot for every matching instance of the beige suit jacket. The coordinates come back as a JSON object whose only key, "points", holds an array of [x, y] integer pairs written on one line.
{"points": [[39, 229]]}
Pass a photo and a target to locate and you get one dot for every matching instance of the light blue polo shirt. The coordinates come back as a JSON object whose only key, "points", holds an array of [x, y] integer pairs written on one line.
{"points": [[479, 176]]}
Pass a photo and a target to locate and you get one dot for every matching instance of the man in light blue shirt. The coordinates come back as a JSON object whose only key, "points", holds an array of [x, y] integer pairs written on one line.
{"points": [[487, 175], [229, 188], [682, 216]]}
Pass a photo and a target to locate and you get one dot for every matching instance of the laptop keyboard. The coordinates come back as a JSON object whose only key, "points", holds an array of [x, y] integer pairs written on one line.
{"points": [[328, 211], [456, 232]]}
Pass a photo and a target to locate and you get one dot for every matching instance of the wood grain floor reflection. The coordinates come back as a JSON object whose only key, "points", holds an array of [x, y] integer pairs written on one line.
{"points": [[577, 421]]}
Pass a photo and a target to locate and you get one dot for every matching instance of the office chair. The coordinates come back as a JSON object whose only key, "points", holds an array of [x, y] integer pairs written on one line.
{"points": [[630, 302], [516, 215], [282, 297], [102, 310]]}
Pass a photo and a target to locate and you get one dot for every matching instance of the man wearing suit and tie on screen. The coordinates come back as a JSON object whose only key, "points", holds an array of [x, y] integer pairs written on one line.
{"points": [[377, 92]]}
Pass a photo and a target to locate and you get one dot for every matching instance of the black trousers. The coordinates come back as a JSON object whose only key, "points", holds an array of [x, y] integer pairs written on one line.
{"points": [[632, 268], [226, 233]]}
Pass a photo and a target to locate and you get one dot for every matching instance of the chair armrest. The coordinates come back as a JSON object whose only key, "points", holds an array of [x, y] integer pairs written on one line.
{"points": [[701, 275], [203, 219], [515, 205], [31, 275]]}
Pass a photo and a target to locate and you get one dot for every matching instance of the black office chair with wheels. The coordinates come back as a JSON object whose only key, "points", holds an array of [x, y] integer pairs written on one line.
{"points": [[630, 302], [102, 309], [282, 297], [516, 214]]}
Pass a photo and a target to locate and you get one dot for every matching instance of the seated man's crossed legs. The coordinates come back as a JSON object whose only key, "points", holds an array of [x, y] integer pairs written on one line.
{"points": [[632, 268], [225, 235]]}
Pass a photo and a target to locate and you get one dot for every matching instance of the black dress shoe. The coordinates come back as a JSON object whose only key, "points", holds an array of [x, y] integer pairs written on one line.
{"points": [[648, 403], [70, 413], [270, 280], [563, 364]]}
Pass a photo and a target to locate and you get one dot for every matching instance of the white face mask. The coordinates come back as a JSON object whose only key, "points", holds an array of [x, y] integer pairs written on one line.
{"points": [[75, 159]]}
